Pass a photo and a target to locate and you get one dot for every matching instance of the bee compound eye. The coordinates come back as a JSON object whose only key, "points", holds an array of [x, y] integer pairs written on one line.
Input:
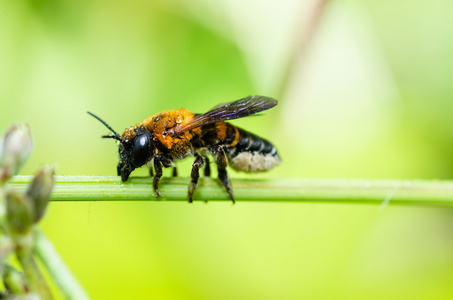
{"points": [[141, 150]]}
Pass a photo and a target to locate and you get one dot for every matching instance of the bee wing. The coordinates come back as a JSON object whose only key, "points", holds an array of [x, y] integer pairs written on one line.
{"points": [[234, 110]]}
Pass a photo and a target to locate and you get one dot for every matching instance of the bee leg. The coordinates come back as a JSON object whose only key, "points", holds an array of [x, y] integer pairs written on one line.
{"points": [[151, 173], [221, 161], [156, 179], [207, 168], [197, 164], [175, 172]]}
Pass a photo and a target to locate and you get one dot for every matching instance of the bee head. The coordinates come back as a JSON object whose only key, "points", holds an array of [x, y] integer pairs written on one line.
{"points": [[134, 153]]}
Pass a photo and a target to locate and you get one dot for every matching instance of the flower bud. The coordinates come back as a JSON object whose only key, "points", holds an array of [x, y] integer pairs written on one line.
{"points": [[15, 147], [39, 191], [14, 281], [19, 212]]}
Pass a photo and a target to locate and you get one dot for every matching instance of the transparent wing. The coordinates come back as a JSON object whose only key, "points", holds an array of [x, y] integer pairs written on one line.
{"points": [[234, 110]]}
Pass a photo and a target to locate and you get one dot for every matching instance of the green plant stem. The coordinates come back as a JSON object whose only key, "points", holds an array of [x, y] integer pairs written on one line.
{"points": [[57, 269], [110, 188]]}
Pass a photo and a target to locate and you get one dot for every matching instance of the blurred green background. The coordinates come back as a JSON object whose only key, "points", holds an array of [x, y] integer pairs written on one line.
{"points": [[365, 90]]}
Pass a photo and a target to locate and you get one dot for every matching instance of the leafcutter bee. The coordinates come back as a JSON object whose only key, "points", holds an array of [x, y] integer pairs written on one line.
{"points": [[175, 134]]}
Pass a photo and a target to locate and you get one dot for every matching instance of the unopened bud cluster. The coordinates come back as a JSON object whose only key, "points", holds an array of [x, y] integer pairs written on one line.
{"points": [[19, 211]]}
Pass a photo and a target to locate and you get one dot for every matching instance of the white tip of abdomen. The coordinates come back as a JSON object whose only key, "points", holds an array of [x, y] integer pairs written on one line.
{"points": [[254, 162]]}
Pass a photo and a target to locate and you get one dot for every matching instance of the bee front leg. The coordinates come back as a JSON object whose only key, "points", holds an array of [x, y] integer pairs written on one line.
{"points": [[222, 162], [195, 174], [158, 169]]}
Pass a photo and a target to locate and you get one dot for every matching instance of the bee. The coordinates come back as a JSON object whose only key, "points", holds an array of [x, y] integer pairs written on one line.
{"points": [[173, 135]]}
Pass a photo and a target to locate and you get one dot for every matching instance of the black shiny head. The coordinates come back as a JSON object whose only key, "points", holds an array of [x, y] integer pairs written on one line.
{"points": [[134, 153]]}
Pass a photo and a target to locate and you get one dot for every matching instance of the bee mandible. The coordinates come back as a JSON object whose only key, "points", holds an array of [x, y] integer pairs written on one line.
{"points": [[176, 134]]}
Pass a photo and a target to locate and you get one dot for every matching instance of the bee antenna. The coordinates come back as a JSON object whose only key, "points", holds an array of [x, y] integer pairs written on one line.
{"points": [[116, 136], [112, 137]]}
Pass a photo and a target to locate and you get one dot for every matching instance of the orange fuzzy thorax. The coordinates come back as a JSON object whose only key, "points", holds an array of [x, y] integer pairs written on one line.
{"points": [[160, 123]]}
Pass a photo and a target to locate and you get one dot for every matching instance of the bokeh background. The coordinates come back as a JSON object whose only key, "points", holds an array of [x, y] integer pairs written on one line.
{"points": [[365, 90]]}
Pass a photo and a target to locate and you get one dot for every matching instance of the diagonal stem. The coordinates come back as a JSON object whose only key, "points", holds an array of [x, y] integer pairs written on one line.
{"points": [[57, 269]]}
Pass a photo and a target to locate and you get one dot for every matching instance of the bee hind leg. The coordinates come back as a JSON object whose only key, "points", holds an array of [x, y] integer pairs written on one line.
{"points": [[195, 174], [207, 168], [175, 172], [222, 162]]}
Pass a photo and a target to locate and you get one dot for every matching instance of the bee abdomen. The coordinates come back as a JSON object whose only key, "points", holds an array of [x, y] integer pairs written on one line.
{"points": [[250, 153]]}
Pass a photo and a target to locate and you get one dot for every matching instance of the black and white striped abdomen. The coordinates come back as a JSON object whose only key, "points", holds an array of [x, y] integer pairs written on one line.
{"points": [[250, 153]]}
